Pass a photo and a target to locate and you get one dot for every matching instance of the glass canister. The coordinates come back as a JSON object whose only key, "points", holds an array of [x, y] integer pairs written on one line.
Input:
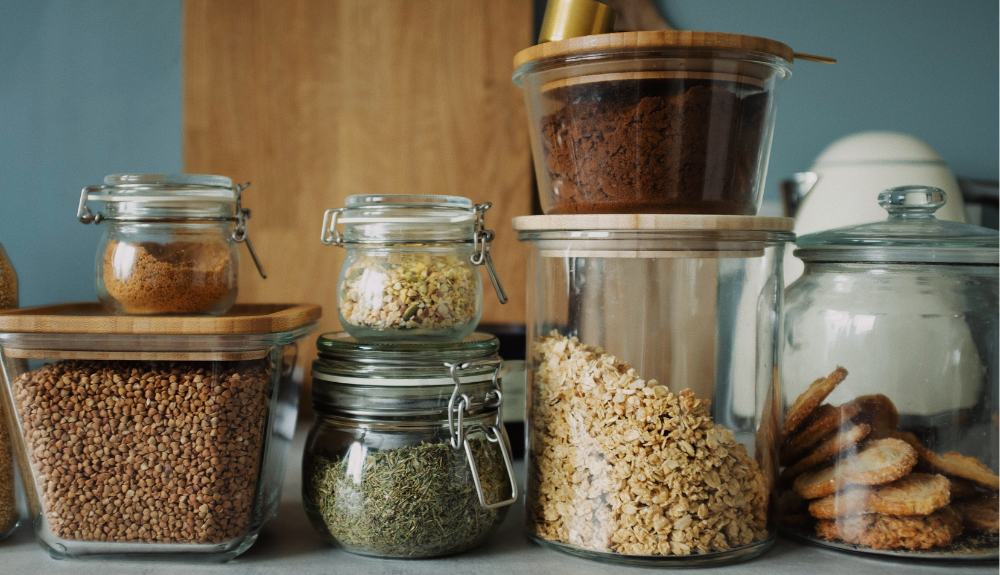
{"points": [[653, 399], [652, 122], [169, 245], [410, 272], [890, 440], [151, 438], [408, 456], [9, 513]]}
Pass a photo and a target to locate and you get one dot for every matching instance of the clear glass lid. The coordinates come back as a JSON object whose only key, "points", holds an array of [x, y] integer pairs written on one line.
{"points": [[161, 196], [341, 346], [911, 234], [402, 208]]}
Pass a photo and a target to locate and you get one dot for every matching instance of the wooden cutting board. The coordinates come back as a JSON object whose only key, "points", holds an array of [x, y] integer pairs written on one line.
{"points": [[315, 100]]}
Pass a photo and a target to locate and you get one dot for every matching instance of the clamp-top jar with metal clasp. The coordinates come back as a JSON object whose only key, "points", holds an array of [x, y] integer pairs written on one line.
{"points": [[410, 272], [407, 456], [169, 246]]}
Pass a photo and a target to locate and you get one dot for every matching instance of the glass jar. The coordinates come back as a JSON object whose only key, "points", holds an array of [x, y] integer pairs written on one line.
{"points": [[151, 438], [408, 456], [9, 513], [890, 385], [653, 343], [652, 122], [410, 272], [169, 245]]}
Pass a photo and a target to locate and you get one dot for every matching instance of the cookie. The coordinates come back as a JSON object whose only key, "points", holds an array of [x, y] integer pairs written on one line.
{"points": [[883, 532], [831, 445], [810, 399], [981, 513], [826, 421], [880, 462], [913, 494], [879, 412]]}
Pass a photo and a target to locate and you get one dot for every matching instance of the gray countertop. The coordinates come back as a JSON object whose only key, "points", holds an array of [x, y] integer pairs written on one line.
{"points": [[288, 545]]}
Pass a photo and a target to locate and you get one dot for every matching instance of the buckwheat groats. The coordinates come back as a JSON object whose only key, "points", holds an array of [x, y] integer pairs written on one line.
{"points": [[145, 452], [621, 464]]}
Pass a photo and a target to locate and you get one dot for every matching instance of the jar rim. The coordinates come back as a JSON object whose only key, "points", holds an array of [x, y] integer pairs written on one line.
{"points": [[343, 347]]}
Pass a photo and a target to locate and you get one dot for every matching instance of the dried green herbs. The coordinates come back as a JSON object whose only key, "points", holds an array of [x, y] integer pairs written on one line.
{"points": [[415, 501]]}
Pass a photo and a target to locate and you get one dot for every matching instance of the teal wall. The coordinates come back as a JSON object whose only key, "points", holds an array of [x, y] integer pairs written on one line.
{"points": [[924, 67], [93, 88], [86, 89]]}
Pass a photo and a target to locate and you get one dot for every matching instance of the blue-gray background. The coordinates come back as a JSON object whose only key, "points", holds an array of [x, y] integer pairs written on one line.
{"points": [[93, 88]]}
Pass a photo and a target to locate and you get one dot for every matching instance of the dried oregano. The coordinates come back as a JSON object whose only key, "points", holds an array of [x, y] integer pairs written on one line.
{"points": [[415, 501]]}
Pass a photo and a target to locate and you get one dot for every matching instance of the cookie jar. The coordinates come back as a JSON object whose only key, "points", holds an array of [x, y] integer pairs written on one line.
{"points": [[890, 436], [160, 438], [407, 456], [652, 122], [411, 268], [170, 243], [653, 396]]}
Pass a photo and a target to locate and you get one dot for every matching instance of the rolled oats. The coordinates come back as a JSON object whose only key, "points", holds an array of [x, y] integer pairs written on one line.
{"points": [[621, 464]]}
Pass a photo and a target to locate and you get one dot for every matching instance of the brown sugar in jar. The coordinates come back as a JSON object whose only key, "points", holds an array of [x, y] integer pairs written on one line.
{"points": [[181, 277], [660, 145]]}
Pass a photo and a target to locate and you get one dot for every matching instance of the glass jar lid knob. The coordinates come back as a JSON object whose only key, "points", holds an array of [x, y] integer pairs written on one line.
{"points": [[912, 201]]}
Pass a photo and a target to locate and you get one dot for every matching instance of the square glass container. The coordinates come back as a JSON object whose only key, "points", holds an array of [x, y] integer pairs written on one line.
{"points": [[151, 437]]}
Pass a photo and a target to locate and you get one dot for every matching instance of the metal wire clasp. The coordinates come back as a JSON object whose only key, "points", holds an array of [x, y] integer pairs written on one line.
{"points": [[83, 212], [240, 233], [458, 406], [329, 234], [481, 241]]}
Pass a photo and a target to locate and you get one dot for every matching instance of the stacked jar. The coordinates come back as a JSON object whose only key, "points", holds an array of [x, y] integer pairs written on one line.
{"points": [[156, 423], [408, 456], [654, 295]]}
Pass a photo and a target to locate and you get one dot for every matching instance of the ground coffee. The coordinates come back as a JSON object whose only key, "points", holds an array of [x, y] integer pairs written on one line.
{"points": [[653, 146]]}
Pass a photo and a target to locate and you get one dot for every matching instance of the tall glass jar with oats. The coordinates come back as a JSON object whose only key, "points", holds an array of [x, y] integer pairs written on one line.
{"points": [[410, 272], [653, 400]]}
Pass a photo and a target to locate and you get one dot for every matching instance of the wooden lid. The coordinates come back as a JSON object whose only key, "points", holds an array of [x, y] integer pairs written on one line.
{"points": [[653, 40], [652, 222], [90, 317]]}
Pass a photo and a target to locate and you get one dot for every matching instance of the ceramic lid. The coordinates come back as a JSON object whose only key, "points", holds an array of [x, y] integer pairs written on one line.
{"points": [[912, 234]]}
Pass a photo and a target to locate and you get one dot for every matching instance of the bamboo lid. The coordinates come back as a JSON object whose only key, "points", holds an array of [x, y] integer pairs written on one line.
{"points": [[652, 222], [653, 40], [90, 318]]}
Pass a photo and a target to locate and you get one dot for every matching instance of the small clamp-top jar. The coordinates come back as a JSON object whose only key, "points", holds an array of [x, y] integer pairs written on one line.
{"points": [[410, 272], [408, 456], [169, 246]]}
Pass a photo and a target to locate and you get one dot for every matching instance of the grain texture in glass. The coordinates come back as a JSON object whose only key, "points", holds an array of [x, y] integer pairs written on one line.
{"points": [[131, 451], [414, 501]]}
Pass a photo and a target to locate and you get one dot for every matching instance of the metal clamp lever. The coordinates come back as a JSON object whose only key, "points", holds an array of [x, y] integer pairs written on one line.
{"points": [[329, 234], [240, 233], [481, 241], [458, 405]]}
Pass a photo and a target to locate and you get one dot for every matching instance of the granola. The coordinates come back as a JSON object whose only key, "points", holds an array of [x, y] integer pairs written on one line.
{"points": [[621, 464], [409, 290]]}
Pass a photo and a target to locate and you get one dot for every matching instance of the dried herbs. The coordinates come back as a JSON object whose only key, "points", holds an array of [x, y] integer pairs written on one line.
{"points": [[410, 290], [414, 501]]}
